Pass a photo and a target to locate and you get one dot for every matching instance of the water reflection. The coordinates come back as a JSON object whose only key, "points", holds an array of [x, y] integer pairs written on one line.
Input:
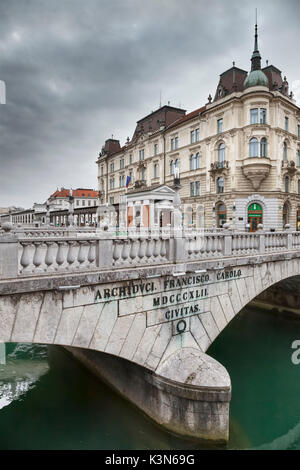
{"points": [[49, 401]]}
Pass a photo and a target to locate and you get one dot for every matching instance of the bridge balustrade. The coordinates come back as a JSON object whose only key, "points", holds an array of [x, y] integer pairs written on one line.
{"points": [[52, 250]]}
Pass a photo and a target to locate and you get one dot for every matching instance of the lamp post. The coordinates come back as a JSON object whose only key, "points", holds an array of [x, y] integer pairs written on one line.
{"points": [[48, 214], [71, 211], [177, 215]]}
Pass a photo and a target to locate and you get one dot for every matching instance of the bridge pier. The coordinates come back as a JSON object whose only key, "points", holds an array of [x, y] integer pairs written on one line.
{"points": [[189, 395]]}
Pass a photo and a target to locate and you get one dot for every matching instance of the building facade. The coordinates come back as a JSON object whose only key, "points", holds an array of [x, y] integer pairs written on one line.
{"points": [[238, 156], [57, 208]]}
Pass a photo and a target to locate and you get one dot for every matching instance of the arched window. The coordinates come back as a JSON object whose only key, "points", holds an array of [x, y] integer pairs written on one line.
{"points": [[192, 162], [284, 151], [176, 164], [263, 147], [286, 184], [197, 161], [253, 147], [221, 153], [155, 170], [220, 184], [172, 166]]}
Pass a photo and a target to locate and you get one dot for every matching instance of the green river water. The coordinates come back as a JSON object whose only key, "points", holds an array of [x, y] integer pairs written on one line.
{"points": [[48, 401]]}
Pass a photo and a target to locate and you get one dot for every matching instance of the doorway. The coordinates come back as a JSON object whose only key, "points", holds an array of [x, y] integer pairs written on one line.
{"points": [[221, 215], [255, 216]]}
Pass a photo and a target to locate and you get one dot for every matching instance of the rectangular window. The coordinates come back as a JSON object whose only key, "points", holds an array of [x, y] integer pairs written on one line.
{"points": [[286, 123], [263, 116], [176, 142], [192, 137], [112, 167], [254, 116], [298, 162], [155, 149], [83, 202], [142, 154], [102, 171], [298, 131], [130, 158], [172, 144], [121, 163], [112, 183], [220, 125], [111, 200], [197, 188], [155, 170], [197, 135], [77, 202], [192, 193], [89, 203]]}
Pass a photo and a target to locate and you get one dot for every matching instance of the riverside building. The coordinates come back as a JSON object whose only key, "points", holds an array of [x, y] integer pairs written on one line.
{"points": [[238, 155]]}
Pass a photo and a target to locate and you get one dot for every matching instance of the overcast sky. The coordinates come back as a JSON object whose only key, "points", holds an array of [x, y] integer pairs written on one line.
{"points": [[78, 71]]}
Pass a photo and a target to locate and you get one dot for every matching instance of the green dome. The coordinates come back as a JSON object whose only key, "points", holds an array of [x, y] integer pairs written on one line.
{"points": [[256, 78]]}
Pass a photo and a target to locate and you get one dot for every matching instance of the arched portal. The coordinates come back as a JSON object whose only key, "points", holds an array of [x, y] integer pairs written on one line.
{"points": [[255, 216]]}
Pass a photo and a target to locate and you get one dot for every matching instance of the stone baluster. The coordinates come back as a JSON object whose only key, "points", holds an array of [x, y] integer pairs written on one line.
{"points": [[150, 250], [83, 254], [197, 246], [51, 255], [39, 256], [27, 257], [125, 251], [61, 256], [157, 247], [142, 250], [92, 253], [134, 249], [219, 244], [118, 246], [72, 254], [209, 247], [163, 250]]}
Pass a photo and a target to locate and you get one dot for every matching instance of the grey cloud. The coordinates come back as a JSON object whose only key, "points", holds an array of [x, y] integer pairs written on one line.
{"points": [[76, 72]]}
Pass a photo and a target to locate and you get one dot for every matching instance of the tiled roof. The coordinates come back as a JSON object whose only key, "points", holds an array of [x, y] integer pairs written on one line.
{"points": [[80, 192], [189, 116]]}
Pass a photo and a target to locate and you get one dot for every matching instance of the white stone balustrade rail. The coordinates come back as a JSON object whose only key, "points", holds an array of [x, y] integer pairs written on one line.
{"points": [[50, 256], [43, 252]]}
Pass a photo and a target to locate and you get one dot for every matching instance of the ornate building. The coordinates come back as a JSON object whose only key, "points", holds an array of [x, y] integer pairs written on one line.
{"points": [[238, 156]]}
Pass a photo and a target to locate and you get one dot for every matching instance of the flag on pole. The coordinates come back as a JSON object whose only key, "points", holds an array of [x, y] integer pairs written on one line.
{"points": [[128, 181]]}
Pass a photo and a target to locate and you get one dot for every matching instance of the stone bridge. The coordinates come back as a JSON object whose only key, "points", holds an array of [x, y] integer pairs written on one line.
{"points": [[150, 303]]}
